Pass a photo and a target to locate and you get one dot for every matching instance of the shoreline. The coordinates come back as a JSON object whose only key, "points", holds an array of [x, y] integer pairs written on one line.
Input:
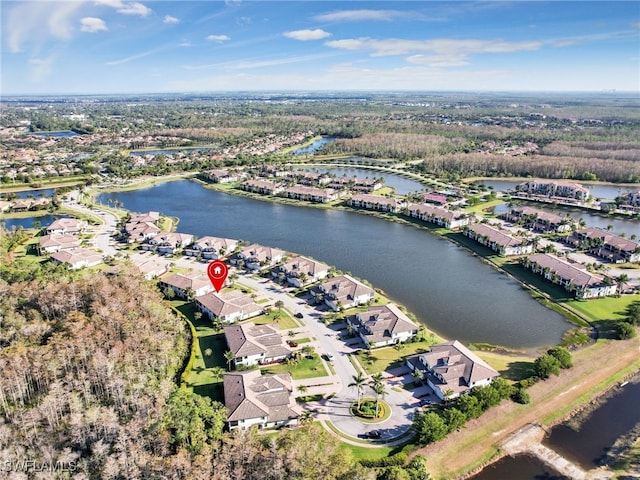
{"points": [[524, 179]]}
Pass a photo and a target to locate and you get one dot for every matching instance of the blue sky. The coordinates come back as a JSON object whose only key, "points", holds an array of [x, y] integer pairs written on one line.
{"points": [[118, 46]]}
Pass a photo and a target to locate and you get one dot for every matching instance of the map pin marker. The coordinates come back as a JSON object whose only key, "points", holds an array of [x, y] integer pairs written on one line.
{"points": [[217, 271]]}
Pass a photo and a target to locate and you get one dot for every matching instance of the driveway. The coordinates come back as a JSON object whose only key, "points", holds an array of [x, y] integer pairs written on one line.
{"points": [[336, 408]]}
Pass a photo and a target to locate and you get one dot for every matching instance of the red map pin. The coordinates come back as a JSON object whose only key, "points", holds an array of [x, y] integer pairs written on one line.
{"points": [[217, 271]]}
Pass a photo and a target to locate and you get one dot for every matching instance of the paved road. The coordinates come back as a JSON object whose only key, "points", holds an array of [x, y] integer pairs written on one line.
{"points": [[335, 409]]}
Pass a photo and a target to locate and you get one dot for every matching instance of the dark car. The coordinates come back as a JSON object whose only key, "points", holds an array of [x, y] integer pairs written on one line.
{"points": [[373, 434], [299, 315]]}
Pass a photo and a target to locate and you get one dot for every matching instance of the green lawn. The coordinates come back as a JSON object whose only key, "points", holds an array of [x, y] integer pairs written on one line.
{"points": [[511, 367], [483, 208], [382, 359], [307, 367], [281, 320], [609, 308]]}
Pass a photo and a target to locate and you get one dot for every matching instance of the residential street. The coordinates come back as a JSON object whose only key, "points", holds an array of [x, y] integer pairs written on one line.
{"points": [[336, 408]]}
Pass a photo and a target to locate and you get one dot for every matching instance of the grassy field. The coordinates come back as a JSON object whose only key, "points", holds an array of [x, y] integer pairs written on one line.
{"points": [[306, 367], [280, 319], [511, 366], [54, 182], [381, 359], [483, 208]]}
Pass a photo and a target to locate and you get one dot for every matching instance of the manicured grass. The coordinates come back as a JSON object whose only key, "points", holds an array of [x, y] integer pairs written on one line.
{"points": [[609, 308], [30, 214], [281, 320], [483, 208], [46, 183], [302, 340], [382, 359], [511, 367], [384, 191], [307, 367]]}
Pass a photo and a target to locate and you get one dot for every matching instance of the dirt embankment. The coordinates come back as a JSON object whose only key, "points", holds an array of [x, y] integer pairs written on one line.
{"points": [[595, 369]]}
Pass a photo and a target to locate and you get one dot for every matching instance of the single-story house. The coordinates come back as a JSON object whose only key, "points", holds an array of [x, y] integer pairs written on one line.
{"points": [[77, 258], [57, 242], [573, 277], [376, 202], [301, 270], [256, 257], [67, 226], [451, 219], [497, 240], [211, 248], [345, 291], [230, 306], [383, 325], [196, 282], [265, 401], [255, 344], [451, 369], [21, 206]]}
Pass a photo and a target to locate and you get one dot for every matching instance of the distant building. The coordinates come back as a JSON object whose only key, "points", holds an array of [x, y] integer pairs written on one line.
{"points": [[376, 202], [538, 220], [346, 292], [606, 245], [67, 226], [257, 257], [555, 188], [451, 219]]}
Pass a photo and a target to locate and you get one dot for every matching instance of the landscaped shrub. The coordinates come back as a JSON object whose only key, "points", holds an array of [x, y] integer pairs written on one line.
{"points": [[625, 330], [546, 365], [397, 459], [562, 355], [521, 396]]}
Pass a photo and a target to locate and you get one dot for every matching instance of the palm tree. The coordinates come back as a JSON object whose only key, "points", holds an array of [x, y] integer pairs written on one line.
{"points": [[217, 372], [302, 389], [229, 357], [358, 382], [379, 389]]}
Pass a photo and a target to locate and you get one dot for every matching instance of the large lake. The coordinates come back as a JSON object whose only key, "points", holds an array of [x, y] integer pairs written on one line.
{"points": [[447, 288]]}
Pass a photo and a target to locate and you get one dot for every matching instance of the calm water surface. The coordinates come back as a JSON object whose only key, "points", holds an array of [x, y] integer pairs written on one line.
{"points": [[586, 445], [447, 288], [619, 225], [314, 147], [598, 191], [520, 467], [401, 184], [45, 220]]}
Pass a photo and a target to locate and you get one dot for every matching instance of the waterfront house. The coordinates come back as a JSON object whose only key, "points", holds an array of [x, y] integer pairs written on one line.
{"points": [[606, 245], [451, 219], [264, 401], [66, 226], [4, 206], [437, 198], [310, 178], [230, 306], [538, 220], [255, 344], [221, 176], [451, 369], [193, 283], [498, 241], [256, 257], [262, 187], [376, 202], [21, 206], [57, 242], [383, 325], [554, 188], [345, 292], [301, 270], [142, 226], [211, 248], [77, 258], [311, 194], [573, 277], [364, 185]]}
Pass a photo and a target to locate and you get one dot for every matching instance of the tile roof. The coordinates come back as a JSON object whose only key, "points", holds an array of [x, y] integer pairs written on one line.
{"points": [[344, 288]]}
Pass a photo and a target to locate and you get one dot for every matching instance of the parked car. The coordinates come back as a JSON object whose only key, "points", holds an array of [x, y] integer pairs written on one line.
{"points": [[373, 434], [299, 315], [292, 344], [329, 357]]}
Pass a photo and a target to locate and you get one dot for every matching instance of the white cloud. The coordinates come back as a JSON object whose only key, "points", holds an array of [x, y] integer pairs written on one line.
{"points": [[92, 25], [34, 22], [249, 64], [132, 57], [126, 8], [40, 68], [185, 43], [305, 35], [361, 15], [218, 38], [439, 52], [170, 19]]}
